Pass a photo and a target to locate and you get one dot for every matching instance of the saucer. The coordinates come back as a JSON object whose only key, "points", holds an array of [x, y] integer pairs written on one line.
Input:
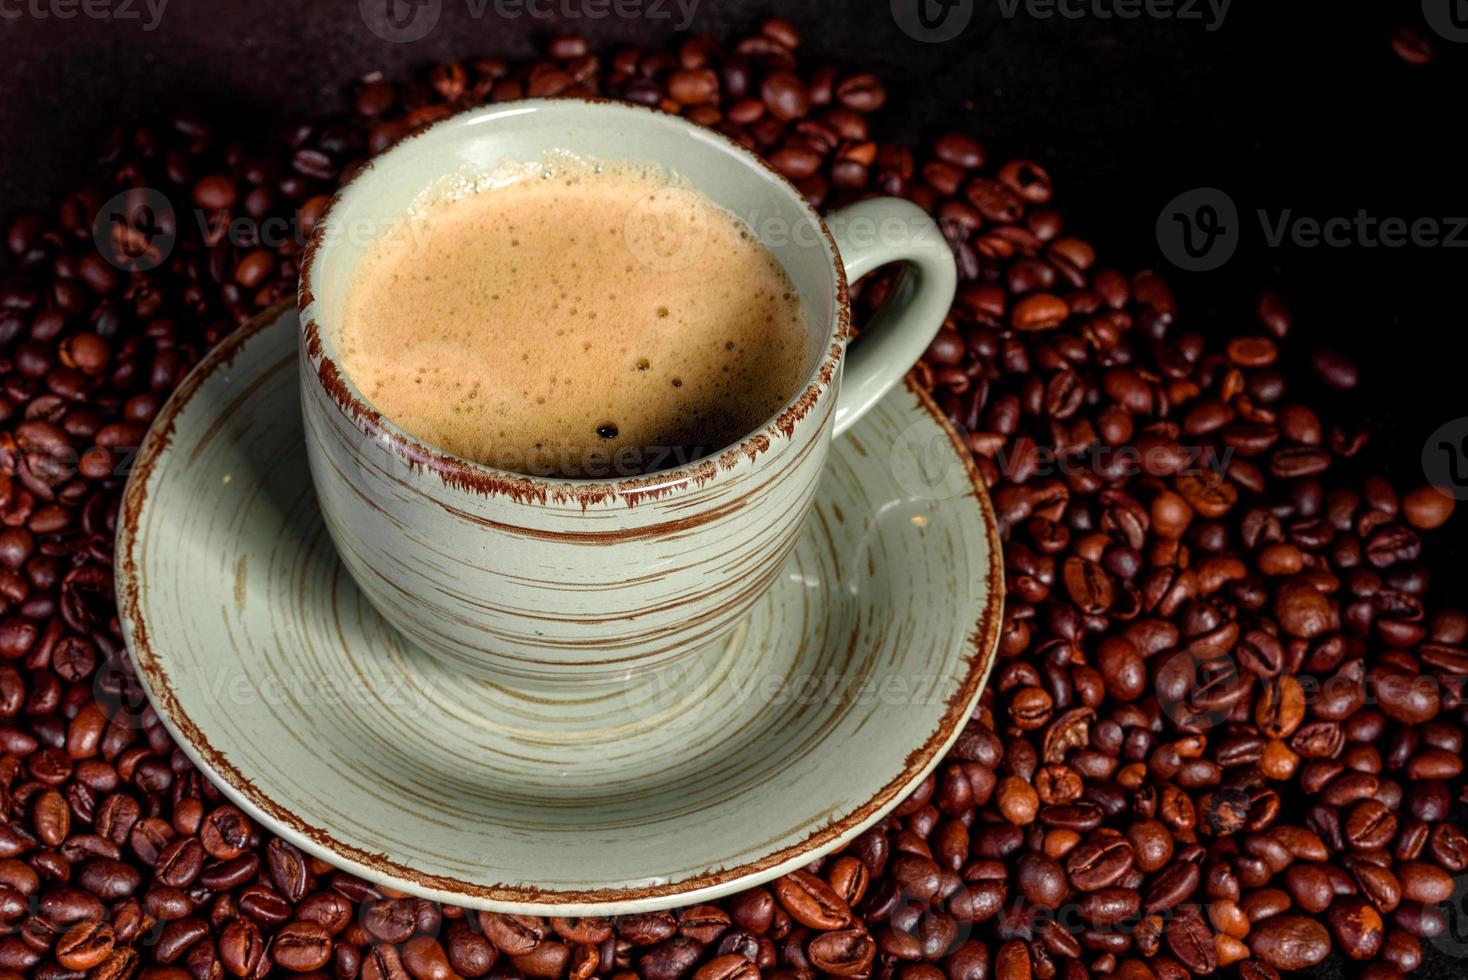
{"points": [[751, 757]]}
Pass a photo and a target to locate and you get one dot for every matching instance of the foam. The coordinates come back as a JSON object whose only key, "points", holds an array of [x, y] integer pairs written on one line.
{"points": [[580, 320]]}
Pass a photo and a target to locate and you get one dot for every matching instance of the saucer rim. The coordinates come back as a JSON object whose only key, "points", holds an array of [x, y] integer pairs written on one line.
{"points": [[379, 868]]}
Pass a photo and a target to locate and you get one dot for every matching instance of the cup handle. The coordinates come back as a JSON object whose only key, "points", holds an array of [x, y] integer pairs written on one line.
{"points": [[869, 234]]}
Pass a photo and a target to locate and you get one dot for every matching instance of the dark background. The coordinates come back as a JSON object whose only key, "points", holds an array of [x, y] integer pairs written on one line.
{"points": [[1285, 105], [1300, 106]]}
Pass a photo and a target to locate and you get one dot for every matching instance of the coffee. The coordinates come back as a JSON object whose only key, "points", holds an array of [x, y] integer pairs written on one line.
{"points": [[577, 320]]}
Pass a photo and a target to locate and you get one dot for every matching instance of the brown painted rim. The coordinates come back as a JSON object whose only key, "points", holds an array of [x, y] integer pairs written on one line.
{"points": [[979, 652], [460, 473]]}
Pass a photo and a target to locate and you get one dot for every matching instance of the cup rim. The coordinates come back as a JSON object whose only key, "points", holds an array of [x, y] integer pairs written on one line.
{"points": [[489, 481]]}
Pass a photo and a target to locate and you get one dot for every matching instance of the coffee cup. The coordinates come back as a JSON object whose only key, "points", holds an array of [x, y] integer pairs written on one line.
{"points": [[526, 580]]}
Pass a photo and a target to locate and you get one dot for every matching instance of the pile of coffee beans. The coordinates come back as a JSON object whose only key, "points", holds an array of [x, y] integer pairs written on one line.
{"points": [[1224, 734]]}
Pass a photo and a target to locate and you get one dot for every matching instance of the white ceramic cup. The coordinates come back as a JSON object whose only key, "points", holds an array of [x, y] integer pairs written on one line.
{"points": [[524, 580]]}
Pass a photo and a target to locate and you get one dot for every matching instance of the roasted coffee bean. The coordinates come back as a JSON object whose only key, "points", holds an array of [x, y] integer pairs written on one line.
{"points": [[119, 965], [1377, 884], [1100, 862], [1449, 847], [287, 869], [262, 904], [514, 935], [755, 909], [849, 878], [177, 936], [1171, 886], [785, 95], [1191, 941], [180, 862], [1290, 942], [595, 930], [1224, 678], [1042, 880], [225, 833], [1152, 844], [1357, 927], [844, 952], [1110, 906], [424, 957], [383, 962], [469, 953], [706, 923], [85, 945], [730, 966], [668, 960], [811, 902], [109, 879], [228, 875], [394, 920], [1423, 882], [303, 946], [240, 947]]}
